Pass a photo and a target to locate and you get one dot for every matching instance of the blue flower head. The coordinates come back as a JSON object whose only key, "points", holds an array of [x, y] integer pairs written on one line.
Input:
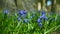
{"points": [[6, 11], [24, 11], [21, 12], [44, 17], [40, 24], [39, 21], [23, 16], [25, 20], [18, 18], [43, 12]]}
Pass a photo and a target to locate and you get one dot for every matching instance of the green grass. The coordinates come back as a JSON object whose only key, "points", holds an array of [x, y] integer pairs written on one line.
{"points": [[10, 25]]}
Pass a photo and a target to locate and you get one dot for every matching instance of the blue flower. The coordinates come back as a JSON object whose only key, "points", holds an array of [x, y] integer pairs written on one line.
{"points": [[40, 24], [44, 16], [25, 20], [39, 21], [6, 11], [43, 12], [18, 18], [24, 11], [21, 12]]}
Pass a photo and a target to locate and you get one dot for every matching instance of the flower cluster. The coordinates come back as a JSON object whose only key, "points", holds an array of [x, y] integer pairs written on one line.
{"points": [[39, 20], [6, 11], [43, 16], [22, 12]]}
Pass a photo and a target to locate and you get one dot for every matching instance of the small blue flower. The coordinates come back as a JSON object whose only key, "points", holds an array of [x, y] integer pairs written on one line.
{"points": [[39, 21], [43, 12], [40, 24], [25, 20], [21, 12], [46, 18], [18, 18], [24, 15], [6, 11], [43, 16], [24, 11]]}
